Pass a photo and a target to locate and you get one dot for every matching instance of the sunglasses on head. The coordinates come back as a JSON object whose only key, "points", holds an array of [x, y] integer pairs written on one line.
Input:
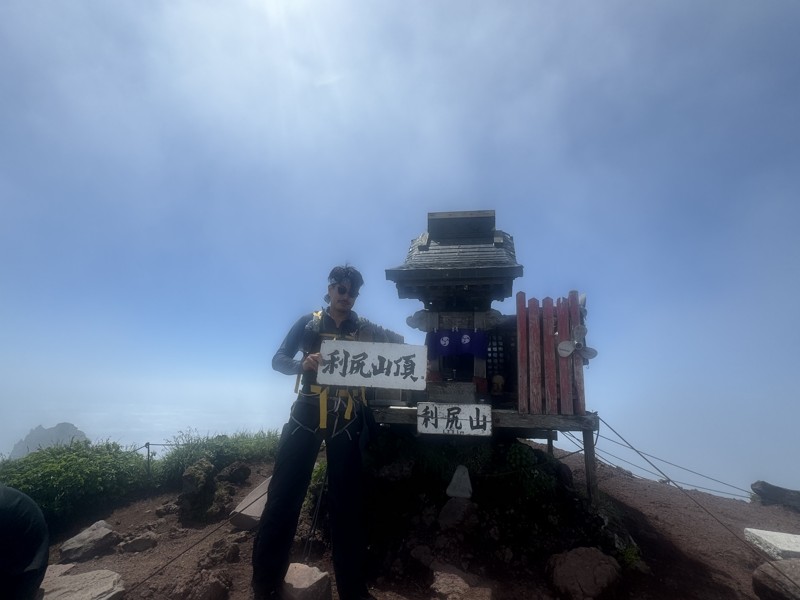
{"points": [[343, 290]]}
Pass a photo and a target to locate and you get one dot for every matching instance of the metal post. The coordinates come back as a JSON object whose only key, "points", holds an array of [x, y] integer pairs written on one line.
{"points": [[591, 464], [149, 473]]}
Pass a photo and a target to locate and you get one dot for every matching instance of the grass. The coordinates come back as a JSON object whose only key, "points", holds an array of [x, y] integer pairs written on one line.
{"points": [[76, 479]]}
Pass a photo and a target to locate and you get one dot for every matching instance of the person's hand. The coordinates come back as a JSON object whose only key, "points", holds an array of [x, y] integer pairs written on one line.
{"points": [[312, 362]]}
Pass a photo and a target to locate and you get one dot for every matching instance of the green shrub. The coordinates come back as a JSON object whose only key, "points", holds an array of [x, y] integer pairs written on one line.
{"points": [[77, 478], [188, 447], [73, 481]]}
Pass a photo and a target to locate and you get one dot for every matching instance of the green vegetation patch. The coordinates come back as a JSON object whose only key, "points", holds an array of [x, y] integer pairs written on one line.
{"points": [[73, 481]]}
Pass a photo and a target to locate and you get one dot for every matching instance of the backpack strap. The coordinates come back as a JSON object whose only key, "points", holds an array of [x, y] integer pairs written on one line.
{"points": [[315, 325]]}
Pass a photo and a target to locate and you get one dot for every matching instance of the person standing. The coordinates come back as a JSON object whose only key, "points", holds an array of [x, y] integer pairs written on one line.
{"points": [[320, 413], [24, 545]]}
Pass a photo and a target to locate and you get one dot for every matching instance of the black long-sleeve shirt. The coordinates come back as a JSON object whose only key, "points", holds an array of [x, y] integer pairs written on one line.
{"points": [[24, 537], [306, 336]]}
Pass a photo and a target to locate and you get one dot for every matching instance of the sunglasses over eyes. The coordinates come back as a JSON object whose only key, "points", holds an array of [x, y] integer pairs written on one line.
{"points": [[342, 290]]}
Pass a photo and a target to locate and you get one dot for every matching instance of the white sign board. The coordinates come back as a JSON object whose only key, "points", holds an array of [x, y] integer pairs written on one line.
{"points": [[373, 364], [454, 419]]}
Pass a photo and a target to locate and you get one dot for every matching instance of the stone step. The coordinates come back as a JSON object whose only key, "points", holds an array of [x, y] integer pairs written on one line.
{"points": [[776, 544]]}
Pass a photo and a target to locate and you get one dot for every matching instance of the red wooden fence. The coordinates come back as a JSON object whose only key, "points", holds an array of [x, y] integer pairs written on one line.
{"points": [[548, 383]]}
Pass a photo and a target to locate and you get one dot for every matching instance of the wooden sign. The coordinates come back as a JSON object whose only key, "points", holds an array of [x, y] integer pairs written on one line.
{"points": [[454, 419], [373, 364]]}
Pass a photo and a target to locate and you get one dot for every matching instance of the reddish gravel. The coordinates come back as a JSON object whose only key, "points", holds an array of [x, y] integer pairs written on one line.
{"points": [[692, 544]]}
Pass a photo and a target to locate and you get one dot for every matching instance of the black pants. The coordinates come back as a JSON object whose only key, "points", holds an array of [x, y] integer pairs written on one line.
{"points": [[297, 452]]}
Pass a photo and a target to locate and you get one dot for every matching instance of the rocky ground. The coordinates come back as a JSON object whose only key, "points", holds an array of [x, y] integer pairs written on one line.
{"points": [[691, 545]]}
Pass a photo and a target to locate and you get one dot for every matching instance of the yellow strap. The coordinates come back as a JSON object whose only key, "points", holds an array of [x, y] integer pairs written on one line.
{"points": [[323, 408], [348, 413], [322, 391]]}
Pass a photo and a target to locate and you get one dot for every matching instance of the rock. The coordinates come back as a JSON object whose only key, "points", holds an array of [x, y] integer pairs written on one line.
{"points": [[778, 580], [452, 583], [232, 553], [62, 434], [306, 583], [168, 508], [140, 543], [505, 554], [94, 585], [563, 475], [93, 541], [776, 544], [203, 498], [198, 491], [772, 494], [222, 551], [207, 585], [196, 477], [455, 512], [423, 554], [616, 532], [236, 473], [478, 594], [583, 573], [176, 532], [449, 585], [399, 470], [460, 485], [222, 502], [54, 571]]}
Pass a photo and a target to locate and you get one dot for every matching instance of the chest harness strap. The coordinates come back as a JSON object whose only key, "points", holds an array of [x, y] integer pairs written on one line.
{"points": [[323, 391]]}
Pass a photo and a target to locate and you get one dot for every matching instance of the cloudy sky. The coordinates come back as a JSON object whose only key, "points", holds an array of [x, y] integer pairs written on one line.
{"points": [[177, 178]]}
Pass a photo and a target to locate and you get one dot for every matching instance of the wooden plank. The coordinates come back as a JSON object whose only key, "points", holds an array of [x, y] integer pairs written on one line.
{"points": [[511, 418], [247, 513], [395, 415], [535, 357], [564, 364], [579, 392], [549, 357], [505, 419], [522, 355]]}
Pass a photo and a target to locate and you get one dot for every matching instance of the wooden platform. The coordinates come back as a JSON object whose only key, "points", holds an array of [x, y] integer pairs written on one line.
{"points": [[519, 425], [504, 419]]}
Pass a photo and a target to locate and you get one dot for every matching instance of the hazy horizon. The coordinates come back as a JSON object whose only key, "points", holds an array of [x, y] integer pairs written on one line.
{"points": [[177, 179]]}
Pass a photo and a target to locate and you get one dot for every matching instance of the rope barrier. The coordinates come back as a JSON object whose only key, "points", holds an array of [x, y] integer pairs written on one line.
{"points": [[683, 483], [601, 453], [682, 468], [193, 545], [568, 435], [756, 551], [198, 542], [222, 524], [177, 556]]}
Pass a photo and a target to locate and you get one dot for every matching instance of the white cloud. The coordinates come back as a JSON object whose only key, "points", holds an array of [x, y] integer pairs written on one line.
{"points": [[178, 178]]}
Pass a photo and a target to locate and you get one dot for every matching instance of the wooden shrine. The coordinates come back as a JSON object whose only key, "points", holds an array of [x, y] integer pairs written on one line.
{"points": [[526, 368]]}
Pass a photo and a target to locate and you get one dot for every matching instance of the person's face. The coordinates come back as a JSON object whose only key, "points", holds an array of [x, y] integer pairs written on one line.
{"points": [[342, 299]]}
